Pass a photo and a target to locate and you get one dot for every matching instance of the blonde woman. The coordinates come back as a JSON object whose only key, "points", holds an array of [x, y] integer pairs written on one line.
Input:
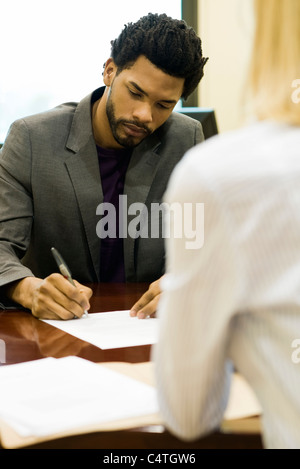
{"points": [[235, 302]]}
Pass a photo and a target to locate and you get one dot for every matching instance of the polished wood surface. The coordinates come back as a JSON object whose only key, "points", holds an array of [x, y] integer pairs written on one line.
{"points": [[27, 338]]}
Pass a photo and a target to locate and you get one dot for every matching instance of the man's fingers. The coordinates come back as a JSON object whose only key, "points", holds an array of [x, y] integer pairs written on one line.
{"points": [[51, 310], [85, 292], [148, 310], [56, 298], [147, 304]]}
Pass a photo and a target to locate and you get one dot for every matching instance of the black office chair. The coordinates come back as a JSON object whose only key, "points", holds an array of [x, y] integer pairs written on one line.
{"points": [[206, 116]]}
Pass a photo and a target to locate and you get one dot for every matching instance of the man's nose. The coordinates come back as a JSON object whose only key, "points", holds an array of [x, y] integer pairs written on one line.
{"points": [[143, 113]]}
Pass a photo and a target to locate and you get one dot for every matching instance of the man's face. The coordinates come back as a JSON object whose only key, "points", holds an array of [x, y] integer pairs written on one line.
{"points": [[140, 100]]}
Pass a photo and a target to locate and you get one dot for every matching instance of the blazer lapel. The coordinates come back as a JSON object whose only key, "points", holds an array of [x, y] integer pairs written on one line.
{"points": [[83, 169], [139, 177]]}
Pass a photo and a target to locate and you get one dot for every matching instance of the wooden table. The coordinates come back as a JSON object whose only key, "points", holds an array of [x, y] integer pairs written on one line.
{"points": [[26, 338]]}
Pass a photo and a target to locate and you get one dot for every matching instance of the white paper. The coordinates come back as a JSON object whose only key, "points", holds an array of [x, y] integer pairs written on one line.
{"points": [[242, 401], [112, 329], [51, 395]]}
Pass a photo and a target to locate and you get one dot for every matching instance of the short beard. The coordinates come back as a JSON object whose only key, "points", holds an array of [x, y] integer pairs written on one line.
{"points": [[126, 141]]}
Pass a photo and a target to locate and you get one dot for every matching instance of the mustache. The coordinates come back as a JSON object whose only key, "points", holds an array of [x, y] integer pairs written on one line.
{"points": [[136, 124]]}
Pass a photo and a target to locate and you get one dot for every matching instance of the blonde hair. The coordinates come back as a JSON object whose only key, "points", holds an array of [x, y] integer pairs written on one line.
{"points": [[275, 63]]}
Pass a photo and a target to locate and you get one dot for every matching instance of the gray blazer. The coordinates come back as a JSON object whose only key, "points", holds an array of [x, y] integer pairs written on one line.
{"points": [[50, 188]]}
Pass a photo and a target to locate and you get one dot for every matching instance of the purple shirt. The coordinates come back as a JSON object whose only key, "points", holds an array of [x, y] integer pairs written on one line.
{"points": [[113, 165]]}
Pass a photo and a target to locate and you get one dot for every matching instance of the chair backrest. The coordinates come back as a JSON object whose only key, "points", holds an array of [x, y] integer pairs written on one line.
{"points": [[206, 116]]}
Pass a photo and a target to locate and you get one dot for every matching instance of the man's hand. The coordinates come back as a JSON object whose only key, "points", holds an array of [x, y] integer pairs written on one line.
{"points": [[51, 298], [147, 304]]}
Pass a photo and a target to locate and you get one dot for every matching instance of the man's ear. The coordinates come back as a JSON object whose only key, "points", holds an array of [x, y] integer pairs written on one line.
{"points": [[109, 72]]}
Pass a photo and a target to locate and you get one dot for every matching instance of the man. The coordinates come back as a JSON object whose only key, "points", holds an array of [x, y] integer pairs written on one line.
{"points": [[63, 169]]}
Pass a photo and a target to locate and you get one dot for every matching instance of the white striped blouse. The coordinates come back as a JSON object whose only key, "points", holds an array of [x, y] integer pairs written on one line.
{"points": [[235, 301]]}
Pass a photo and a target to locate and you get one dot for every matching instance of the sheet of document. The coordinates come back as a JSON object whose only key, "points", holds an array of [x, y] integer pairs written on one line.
{"points": [[51, 395], [112, 329], [242, 401]]}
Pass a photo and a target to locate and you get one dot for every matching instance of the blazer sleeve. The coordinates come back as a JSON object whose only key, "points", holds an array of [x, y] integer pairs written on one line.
{"points": [[16, 204], [199, 135]]}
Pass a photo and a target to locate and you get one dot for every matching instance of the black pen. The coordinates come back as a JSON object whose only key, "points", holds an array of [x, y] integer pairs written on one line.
{"points": [[63, 268]]}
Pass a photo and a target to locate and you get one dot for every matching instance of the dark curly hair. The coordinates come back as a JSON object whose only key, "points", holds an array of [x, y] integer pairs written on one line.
{"points": [[170, 44]]}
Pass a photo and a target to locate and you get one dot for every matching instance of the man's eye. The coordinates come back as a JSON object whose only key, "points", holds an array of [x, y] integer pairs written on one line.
{"points": [[133, 93], [163, 106]]}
